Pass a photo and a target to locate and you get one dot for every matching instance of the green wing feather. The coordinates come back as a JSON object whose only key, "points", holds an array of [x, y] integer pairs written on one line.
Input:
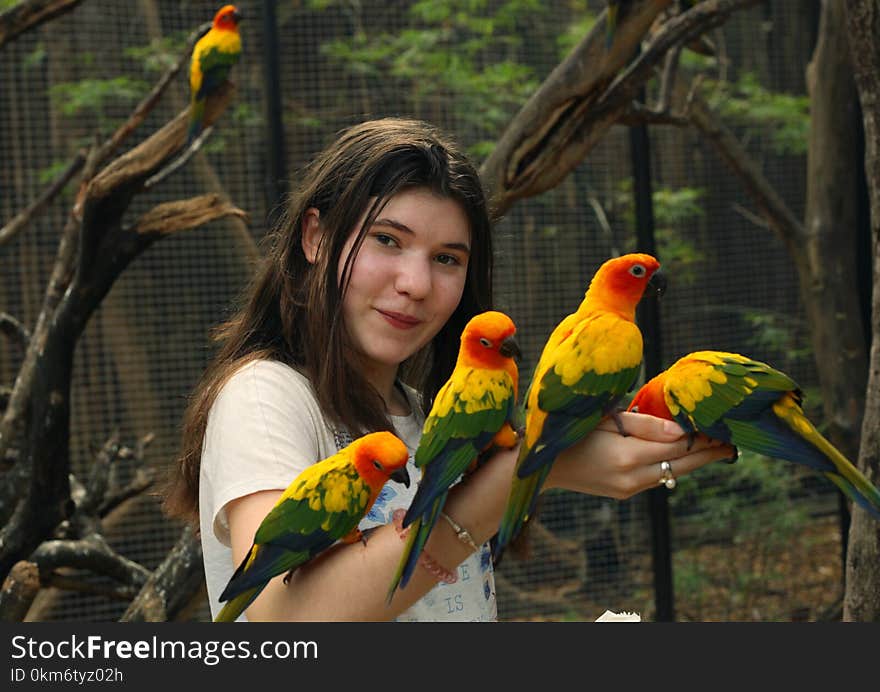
{"points": [[467, 413], [303, 509]]}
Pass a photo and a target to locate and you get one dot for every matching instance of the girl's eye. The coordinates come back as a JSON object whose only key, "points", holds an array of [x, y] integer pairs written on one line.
{"points": [[450, 260], [385, 239]]}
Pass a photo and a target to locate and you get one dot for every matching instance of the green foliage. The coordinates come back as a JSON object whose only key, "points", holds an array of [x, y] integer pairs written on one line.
{"points": [[442, 60], [673, 208], [722, 500], [35, 58], [49, 173], [159, 54], [777, 332], [95, 95], [783, 118]]}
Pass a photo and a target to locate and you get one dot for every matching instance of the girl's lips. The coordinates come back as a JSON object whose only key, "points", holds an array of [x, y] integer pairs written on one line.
{"points": [[399, 320]]}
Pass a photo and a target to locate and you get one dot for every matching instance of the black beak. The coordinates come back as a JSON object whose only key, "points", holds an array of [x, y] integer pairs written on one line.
{"points": [[237, 16], [510, 349], [658, 282], [401, 475]]}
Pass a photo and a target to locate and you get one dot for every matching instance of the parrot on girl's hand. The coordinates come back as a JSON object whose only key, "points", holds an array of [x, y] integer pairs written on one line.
{"points": [[473, 410], [591, 359], [323, 505], [749, 404], [213, 56]]}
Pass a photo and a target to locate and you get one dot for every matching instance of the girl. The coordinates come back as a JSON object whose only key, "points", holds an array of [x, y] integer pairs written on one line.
{"points": [[352, 325]]}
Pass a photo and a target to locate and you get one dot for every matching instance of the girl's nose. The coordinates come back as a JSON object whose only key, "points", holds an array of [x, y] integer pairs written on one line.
{"points": [[413, 278]]}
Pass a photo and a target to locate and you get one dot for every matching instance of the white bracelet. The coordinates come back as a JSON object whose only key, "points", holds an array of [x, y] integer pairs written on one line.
{"points": [[461, 532]]}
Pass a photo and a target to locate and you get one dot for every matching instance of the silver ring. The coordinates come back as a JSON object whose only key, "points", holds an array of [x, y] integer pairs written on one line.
{"points": [[667, 478]]}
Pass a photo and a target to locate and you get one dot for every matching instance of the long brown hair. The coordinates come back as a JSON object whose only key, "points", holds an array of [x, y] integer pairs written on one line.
{"points": [[291, 311]]}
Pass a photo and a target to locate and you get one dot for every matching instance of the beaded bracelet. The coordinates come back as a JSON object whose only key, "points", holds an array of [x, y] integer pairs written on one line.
{"points": [[425, 560]]}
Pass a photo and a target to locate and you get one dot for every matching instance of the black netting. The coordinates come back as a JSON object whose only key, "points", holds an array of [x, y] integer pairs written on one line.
{"points": [[735, 529]]}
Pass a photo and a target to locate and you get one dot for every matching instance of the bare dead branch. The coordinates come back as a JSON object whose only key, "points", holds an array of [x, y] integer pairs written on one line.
{"points": [[773, 208], [30, 14], [107, 197], [862, 598], [66, 582], [183, 215], [172, 585], [137, 164], [543, 141], [15, 330], [584, 96], [758, 221], [19, 590], [93, 554], [142, 481], [667, 81], [105, 150], [24, 217], [677, 30], [638, 114], [99, 476], [181, 160]]}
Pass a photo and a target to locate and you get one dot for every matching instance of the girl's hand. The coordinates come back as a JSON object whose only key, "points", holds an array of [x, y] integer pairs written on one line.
{"points": [[609, 464]]}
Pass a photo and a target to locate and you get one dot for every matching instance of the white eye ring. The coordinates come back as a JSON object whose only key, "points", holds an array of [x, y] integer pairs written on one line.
{"points": [[637, 270], [485, 342]]}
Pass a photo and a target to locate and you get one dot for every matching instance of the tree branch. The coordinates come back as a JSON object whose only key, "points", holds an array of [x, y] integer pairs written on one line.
{"points": [[93, 554], [20, 588], [15, 330], [584, 96], [30, 14], [24, 217], [172, 585], [728, 147]]}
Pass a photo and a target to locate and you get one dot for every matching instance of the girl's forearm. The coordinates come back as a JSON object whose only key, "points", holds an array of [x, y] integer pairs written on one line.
{"points": [[350, 582]]}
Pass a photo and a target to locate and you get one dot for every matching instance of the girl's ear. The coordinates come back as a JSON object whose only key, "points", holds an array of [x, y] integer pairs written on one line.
{"points": [[311, 234]]}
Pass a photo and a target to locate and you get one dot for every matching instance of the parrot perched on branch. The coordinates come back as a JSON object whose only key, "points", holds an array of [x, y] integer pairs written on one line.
{"points": [[591, 359], [323, 505], [751, 405], [473, 410], [213, 56]]}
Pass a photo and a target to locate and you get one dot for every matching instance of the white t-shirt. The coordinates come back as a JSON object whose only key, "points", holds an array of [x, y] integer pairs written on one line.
{"points": [[264, 429]]}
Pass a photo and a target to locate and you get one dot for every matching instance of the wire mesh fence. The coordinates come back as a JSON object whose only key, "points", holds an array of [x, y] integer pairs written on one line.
{"points": [[739, 532]]}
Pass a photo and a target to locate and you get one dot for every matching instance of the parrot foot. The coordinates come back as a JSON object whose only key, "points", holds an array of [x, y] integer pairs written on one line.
{"points": [[615, 416], [288, 576]]}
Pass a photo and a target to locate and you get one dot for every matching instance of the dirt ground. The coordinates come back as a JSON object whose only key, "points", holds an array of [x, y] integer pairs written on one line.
{"points": [[752, 579]]}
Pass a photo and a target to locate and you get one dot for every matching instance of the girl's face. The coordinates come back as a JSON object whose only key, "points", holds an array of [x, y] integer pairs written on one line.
{"points": [[407, 278]]}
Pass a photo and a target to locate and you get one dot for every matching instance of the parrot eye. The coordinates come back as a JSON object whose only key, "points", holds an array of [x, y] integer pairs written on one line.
{"points": [[485, 342], [377, 465], [637, 270]]}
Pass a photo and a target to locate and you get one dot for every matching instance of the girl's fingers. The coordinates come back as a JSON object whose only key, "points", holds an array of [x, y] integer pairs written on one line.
{"points": [[643, 426], [651, 473]]}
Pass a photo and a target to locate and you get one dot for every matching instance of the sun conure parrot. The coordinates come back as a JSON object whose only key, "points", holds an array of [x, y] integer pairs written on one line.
{"points": [[751, 405], [473, 410], [213, 56], [323, 505], [591, 359]]}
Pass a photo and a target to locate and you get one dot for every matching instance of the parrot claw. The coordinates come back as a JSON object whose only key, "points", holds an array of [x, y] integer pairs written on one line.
{"points": [[615, 416], [692, 436], [288, 576]]}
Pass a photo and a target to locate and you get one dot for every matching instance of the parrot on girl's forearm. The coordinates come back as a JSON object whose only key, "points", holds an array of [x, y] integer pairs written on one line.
{"points": [[591, 359], [323, 505], [473, 410], [751, 405], [212, 58]]}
